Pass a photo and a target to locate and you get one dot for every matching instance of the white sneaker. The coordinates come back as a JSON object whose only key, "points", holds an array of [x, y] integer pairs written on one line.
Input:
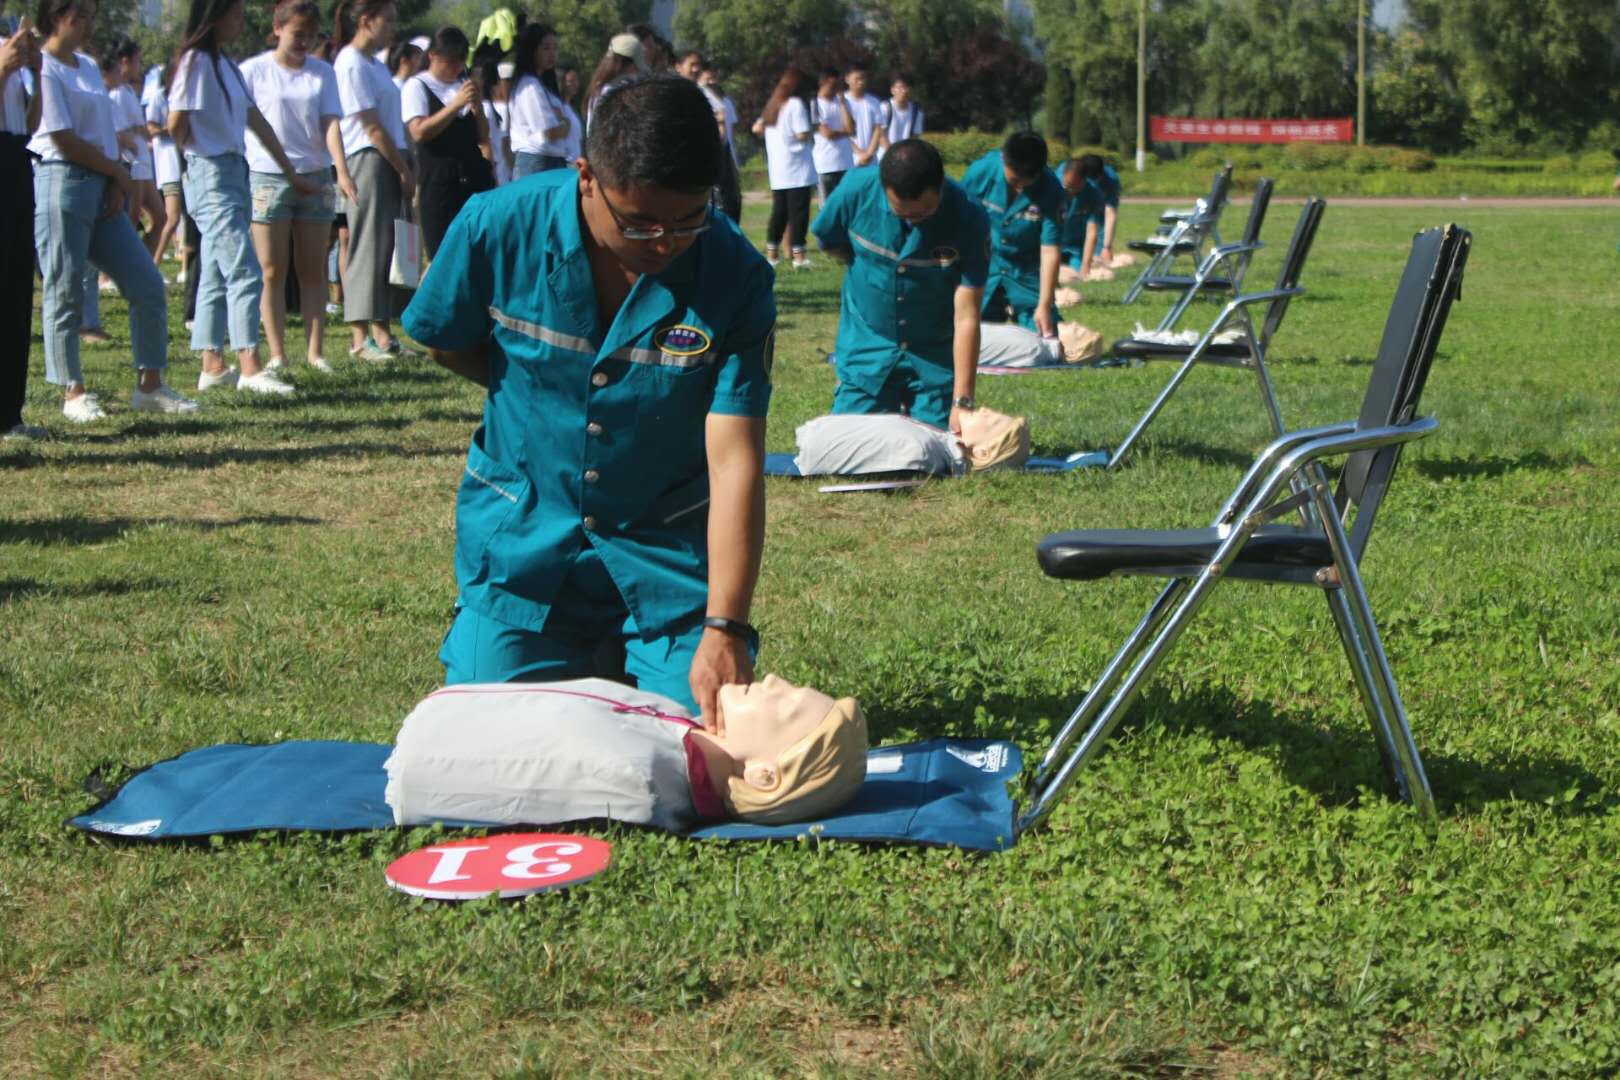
{"points": [[164, 399], [83, 409], [319, 364], [107, 287], [226, 378], [22, 431], [333, 309], [265, 382], [276, 363], [180, 278]]}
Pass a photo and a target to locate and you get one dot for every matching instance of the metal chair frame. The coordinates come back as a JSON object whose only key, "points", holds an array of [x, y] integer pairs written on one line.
{"points": [[1258, 343], [1186, 237], [1289, 476], [1234, 258]]}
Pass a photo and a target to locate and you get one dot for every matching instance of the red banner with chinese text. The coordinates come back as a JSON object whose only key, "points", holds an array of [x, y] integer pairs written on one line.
{"points": [[1180, 129]]}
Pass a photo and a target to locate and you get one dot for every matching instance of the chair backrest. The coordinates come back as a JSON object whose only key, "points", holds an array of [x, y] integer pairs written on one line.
{"points": [[1431, 282], [1257, 211], [1293, 263], [1217, 195]]}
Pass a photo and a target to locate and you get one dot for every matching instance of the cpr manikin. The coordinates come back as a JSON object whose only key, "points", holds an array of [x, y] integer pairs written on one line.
{"points": [[547, 753]]}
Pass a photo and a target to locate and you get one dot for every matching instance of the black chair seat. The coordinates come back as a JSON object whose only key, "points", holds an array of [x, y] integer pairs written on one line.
{"points": [[1183, 247], [1137, 349], [1183, 282], [1087, 554]]}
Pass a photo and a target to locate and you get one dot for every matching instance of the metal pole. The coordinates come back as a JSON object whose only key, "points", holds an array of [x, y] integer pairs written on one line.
{"points": [[1361, 74], [1141, 87]]}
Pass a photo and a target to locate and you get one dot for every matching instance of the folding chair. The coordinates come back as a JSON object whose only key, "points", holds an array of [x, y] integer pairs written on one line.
{"points": [[1247, 353], [1325, 552], [1186, 237], [1232, 259]]}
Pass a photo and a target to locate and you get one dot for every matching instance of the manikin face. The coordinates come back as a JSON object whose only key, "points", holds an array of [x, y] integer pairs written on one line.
{"points": [[294, 39], [764, 719], [857, 83], [609, 211], [914, 211]]}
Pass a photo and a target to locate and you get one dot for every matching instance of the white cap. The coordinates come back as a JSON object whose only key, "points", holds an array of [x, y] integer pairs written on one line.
{"points": [[629, 47], [506, 69], [422, 41]]}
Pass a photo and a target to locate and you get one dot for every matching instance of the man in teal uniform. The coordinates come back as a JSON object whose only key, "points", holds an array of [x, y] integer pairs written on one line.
{"points": [[917, 251], [611, 513], [1091, 210], [1025, 206]]}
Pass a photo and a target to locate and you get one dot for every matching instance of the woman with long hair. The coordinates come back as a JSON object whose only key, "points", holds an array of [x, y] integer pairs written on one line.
{"points": [[540, 127], [210, 111], [123, 74], [568, 81], [624, 56], [785, 123], [297, 93], [445, 119], [165, 169], [81, 201], [373, 141], [486, 71]]}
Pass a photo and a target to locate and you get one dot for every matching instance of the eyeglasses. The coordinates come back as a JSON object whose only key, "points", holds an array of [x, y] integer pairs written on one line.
{"points": [[656, 232]]}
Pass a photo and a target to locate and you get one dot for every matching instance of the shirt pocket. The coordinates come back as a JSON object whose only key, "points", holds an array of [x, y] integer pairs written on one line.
{"points": [[490, 496]]}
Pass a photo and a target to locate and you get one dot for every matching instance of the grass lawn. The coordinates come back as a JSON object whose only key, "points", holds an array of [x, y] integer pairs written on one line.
{"points": [[1227, 892]]}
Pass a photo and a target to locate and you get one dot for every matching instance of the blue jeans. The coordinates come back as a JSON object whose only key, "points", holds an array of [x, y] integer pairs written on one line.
{"points": [[70, 235], [525, 163], [218, 199]]}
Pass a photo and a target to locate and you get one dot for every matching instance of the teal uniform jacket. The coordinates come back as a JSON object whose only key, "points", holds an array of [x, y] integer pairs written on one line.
{"points": [[899, 296], [1019, 227], [1088, 206], [592, 435]]}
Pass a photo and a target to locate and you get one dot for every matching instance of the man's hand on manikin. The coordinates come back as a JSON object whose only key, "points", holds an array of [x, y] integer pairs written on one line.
{"points": [[721, 659]]}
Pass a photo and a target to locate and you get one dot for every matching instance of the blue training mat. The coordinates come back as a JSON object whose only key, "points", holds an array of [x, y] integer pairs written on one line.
{"points": [[783, 465], [951, 792]]}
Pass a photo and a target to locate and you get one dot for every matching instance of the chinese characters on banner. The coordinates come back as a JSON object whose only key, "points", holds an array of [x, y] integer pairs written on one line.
{"points": [[1180, 129]]}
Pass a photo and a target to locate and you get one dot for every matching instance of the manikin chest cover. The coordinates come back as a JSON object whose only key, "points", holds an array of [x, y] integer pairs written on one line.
{"points": [[853, 445], [535, 754]]}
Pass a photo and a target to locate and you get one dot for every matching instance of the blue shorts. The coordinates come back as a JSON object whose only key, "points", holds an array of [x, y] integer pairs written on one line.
{"points": [[274, 199]]}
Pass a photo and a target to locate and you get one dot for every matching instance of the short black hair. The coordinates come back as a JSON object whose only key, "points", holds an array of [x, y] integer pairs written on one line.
{"points": [[901, 77], [830, 73], [685, 53], [654, 131], [1025, 154], [449, 42], [1091, 165], [911, 167]]}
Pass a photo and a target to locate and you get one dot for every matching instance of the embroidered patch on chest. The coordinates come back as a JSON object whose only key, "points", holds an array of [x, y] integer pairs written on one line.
{"points": [[1032, 214], [945, 256], [682, 340]]}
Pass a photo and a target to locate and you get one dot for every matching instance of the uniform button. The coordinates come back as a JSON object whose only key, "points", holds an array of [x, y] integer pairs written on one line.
{"points": [[592, 476], [589, 522], [900, 270], [593, 428], [902, 322], [904, 347], [599, 379]]}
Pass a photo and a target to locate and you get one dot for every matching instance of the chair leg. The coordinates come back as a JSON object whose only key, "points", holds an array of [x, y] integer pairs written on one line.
{"points": [[1152, 411], [1361, 671], [1268, 392], [1109, 716], [1110, 675], [1365, 629]]}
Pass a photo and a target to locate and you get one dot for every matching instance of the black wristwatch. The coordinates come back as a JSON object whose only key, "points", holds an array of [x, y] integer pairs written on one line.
{"points": [[964, 403], [734, 627]]}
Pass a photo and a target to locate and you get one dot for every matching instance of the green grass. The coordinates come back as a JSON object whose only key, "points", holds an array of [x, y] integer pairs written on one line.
{"points": [[1226, 892]]}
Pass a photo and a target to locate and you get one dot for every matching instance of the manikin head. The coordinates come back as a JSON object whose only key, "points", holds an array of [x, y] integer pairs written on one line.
{"points": [[795, 752]]}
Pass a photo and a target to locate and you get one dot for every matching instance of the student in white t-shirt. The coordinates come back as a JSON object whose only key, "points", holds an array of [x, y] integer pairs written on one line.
{"points": [[210, 111], [832, 152], [165, 168], [574, 145], [485, 71], [297, 93], [81, 201], [445, 118], [867, 111], [540, 125], [373, 140], [785, 123], [123, 73], [902, 117]]}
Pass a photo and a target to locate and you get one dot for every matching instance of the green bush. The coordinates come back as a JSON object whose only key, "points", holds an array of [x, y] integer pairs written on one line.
{"points": [[1402, 159], [965, 147], [1559, 163], [1595, 161], [1311, 157]]}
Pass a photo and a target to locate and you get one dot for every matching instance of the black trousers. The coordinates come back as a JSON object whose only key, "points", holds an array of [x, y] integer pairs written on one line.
{"points": [[790, 213], [191, 237], [445, 187], [829, 184], [728, 192], [16, 276]]}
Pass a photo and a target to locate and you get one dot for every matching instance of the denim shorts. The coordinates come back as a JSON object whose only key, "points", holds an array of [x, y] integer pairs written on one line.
{"points": [[275, 200]]}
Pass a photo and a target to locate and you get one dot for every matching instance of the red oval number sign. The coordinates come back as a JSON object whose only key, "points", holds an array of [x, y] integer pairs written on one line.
{"points": [[511, 864]]}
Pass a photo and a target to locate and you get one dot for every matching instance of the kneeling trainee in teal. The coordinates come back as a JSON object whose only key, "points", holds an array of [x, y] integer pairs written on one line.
{"points": [[1091, 190], [625, 334], [1024, 203], [917, 249]]}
